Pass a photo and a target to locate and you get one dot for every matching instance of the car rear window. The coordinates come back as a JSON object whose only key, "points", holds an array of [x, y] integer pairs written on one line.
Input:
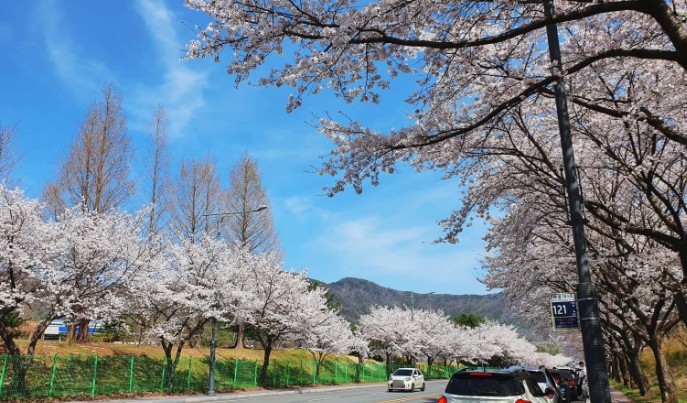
{"points": [[538, 376], [568, 376], [484, 384]]}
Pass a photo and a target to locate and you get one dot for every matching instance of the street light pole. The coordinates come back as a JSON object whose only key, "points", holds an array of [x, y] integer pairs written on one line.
{"points": [[213, 337], [592, 338]]}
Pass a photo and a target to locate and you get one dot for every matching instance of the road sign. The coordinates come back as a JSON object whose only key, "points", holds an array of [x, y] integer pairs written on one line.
{"points": [[564, 311]]}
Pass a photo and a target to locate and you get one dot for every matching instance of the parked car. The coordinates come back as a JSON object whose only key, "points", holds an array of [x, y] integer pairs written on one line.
{"points": [[544, 379], [500, 386], [407, 379], [566, 394], [570, 377]]}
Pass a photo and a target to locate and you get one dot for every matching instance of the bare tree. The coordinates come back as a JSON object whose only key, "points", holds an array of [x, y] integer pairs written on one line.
{"points": [[8, 155], [96, 173], [194, 194], [158, 165], [254, 231]]}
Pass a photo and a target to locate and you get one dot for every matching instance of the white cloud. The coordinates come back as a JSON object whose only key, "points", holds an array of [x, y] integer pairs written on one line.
{"points": [[398, 257], [83, 76], [181, 89]]}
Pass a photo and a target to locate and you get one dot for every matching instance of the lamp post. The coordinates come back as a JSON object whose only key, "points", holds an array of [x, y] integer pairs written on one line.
{"points": [[213, 337]]}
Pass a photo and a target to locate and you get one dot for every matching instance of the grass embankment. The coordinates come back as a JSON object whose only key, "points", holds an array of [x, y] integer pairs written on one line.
{"points": [[63, 370], [675, 350], [107, 349]]}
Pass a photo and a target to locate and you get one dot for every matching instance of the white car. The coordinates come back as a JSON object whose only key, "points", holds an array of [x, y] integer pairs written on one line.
{"points": [[406, 379]]}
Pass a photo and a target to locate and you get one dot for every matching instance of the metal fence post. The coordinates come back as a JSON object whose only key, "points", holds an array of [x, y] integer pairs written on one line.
{"points": [[287, 373], [95, 374], [346, 376], [188, 377], [236, 369], [255, 377], [131, 374], [302, 378], [52, 377], [362, 372], [2, 373], [164, 368]]}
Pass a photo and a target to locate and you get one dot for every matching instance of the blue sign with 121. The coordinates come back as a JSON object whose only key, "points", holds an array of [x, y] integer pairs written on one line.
{"points": [[564, 311]]}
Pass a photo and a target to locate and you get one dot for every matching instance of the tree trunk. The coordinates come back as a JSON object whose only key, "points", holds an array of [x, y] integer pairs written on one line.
{"points": [[16, 360], [265, 360], [666, 383], [636, 371], [240, 335], [83, 335], [615, 368], [625, 379], [679, 296], [167, 347]]}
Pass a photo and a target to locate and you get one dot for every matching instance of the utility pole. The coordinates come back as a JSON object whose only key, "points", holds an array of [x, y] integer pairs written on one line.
{"points": [[590, 321]]}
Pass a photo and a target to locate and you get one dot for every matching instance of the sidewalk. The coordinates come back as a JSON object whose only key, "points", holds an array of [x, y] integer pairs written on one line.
{"points": [[618, 397]]}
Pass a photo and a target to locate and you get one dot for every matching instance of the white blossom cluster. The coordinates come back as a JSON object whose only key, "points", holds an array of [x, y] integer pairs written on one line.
{"points": [[431, 336]]}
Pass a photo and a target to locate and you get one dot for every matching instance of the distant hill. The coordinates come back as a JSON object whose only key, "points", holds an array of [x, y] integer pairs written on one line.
{"points": [[356, 296]]}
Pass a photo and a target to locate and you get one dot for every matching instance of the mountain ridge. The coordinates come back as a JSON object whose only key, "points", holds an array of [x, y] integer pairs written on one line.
{"points": [[356, 296]]}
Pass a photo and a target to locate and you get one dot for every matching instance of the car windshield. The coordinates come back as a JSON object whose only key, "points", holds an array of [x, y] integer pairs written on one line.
{"points": [[403, 372]]}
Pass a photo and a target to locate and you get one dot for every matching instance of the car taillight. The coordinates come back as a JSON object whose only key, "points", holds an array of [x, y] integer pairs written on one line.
{"points": [[572, 383], [442, 400], [480, 373], [522, 401]]}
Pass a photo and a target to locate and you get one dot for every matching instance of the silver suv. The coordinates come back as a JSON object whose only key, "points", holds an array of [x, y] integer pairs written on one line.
{"points": [[501, 386]]}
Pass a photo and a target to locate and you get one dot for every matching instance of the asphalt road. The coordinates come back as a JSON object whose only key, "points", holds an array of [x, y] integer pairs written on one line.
{"points": [[376, 393]]}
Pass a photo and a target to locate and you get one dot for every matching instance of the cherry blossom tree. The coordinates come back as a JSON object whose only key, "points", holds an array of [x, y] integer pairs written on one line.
{"points": [[323, 334], [279, 303], [25, 269], [75, 267], [189, 284], [387, 331], [427, 340], [360, 348], [98, 256]]}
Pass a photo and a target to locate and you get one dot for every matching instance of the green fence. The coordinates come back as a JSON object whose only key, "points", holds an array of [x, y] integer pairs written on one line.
{"points": [[90, 376]]}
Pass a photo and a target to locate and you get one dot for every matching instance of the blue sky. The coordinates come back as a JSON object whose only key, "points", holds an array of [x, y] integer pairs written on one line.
{"points": [[58, 55]]}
